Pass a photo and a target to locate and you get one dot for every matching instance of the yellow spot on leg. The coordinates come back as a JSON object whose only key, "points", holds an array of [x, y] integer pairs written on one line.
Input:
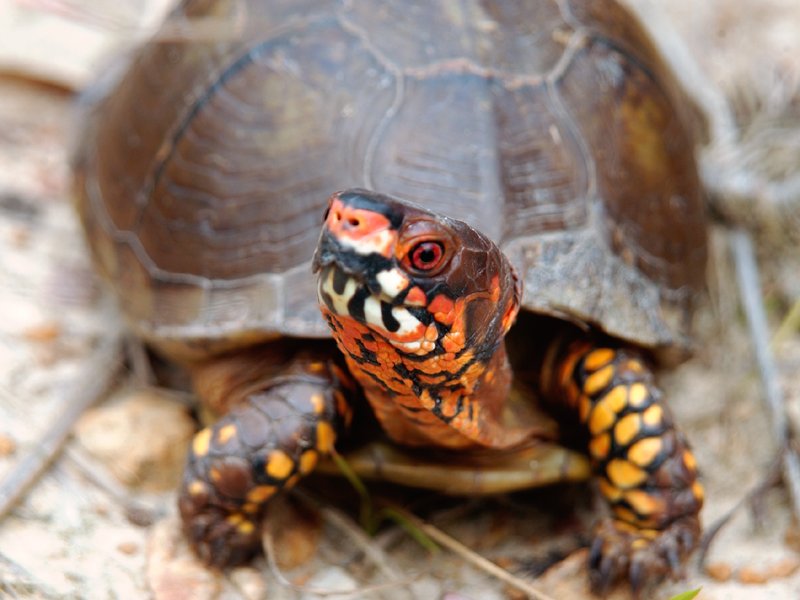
{"points": [[598, 380], [627, 428], [698, 491], [624, 474], [225, 434], [653, 415], [584, 407], [643, 503], [638, 394], [689, 460], [279, 464], [201, 442], [246, 527], [197, 488], [261, 493], [645, 451], [600, 419], [325, 437], [599, 446], [610, 493], [616, 399], [235, 518], [598, 358], [318, 402], [308, 460]]}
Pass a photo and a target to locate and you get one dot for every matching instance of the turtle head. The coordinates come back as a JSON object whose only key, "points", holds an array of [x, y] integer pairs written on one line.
{"points": [[424, 282]]}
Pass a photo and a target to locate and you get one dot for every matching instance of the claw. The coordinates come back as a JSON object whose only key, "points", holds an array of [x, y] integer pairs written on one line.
{"points": [[595, 553], [637, 576]]}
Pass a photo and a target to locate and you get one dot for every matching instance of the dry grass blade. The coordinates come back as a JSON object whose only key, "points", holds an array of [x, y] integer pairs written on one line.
{"points": [[88, 387], [753, 303], [789, 325], [351, 529], [473, 557], [269, 550]]}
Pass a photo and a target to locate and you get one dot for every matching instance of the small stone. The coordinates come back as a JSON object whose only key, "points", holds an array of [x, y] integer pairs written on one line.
{"points": [[250, 583], [295, 533], [719, 571], [7, 445], [129, 548], [47, 331], [784, 568], [142, 438], [331, 579], [752, 576], [172, 572]]}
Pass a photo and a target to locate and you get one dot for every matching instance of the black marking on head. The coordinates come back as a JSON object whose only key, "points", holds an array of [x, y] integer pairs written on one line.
{"points": [[367, 200], [355, 306], [389, 322], [340, 280]]}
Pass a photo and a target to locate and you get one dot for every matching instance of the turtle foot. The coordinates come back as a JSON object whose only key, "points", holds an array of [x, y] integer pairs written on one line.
{"points": [[642, 556]]}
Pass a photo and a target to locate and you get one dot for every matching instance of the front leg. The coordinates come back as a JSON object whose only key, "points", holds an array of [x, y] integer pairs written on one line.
{"points": [[643, 465], [270, 439]]}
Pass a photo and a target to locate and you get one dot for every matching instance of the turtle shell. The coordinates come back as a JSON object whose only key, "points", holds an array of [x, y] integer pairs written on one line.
{"points": [[554, 127]]}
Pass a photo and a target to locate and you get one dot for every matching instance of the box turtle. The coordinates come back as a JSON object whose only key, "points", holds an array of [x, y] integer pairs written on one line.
{"points": [[522, 230]]}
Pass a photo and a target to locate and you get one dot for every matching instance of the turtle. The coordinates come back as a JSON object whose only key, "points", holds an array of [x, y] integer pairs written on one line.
{"points": [[476, 227]]}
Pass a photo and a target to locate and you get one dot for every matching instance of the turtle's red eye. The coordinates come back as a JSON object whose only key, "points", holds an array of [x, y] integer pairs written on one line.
{"points": [[426, 256]]}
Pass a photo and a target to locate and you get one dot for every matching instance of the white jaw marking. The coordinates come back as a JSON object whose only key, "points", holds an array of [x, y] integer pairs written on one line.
{"points": [[372, 312], [392, 281], [340, 301]]}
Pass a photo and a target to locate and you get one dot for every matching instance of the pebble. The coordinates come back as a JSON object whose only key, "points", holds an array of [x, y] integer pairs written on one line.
{"points": [[7, 445], [719, 571], [172, 572], [330, 579], [142, 438]]}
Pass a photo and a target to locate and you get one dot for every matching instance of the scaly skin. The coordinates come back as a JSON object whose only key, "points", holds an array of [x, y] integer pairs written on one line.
{"points": [[269, 440], [644, 467]]}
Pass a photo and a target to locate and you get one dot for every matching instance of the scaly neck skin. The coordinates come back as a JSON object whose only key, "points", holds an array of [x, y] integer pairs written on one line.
{"points": [[451, 400], [419, 305]]}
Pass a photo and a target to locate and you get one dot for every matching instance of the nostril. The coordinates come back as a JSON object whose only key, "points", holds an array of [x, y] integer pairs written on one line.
{"points": [[353, 222]]}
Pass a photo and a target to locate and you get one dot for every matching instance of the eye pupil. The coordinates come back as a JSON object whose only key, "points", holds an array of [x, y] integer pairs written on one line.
{"points": [[427, 255]]}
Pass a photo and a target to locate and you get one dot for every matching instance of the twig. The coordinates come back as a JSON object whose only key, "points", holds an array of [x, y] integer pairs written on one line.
{"points": [[269, 550], [474, 558], [750, 291], [347, 526], [87, 389], [771, 478]]}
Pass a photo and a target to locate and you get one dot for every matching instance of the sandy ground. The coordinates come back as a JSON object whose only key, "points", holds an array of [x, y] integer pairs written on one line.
{"points": [[100, 523]]}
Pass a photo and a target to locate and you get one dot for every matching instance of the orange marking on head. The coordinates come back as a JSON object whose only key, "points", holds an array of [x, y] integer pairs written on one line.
{"points": [[443, 309], [510, 316], [357, 224], [416, 297]]}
